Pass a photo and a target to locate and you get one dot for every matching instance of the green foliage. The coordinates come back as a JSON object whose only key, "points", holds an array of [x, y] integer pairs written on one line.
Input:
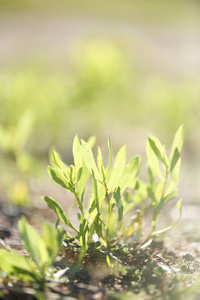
{"points": [[12, 143], [163, 178], [108, 184], [42, 249], [110, 198], [42, 104], [18, 265]]}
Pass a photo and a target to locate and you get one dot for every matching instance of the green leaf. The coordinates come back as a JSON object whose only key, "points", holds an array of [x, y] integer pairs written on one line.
{"points": [[98, 225], [53, 240], [89, 160], [79, 173], [95, 191], [60, 178], [91, 141], [140, 195], [57, 163], [110, 155], [117, 170], [164, 201], [18, 265], [158, 191], [158, 149], [94, 211], [156, 146], [83, 234], [174, 177], [85, 174], [44, 257], [128, 175], [165, 158], [59, 211], [175, 157], [100, 163], [31, 240], [175, 171], [153, 162], [177, 141], [117, 197], [77, 153], [93, 214], [35, 245]]}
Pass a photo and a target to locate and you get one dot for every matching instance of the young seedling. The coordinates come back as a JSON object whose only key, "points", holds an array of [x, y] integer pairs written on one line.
{"points": [[104, 215], [104, 218], [163, 174], [42, 249]]}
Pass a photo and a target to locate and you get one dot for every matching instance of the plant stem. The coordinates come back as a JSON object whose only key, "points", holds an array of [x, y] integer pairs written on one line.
{"points": [[108, 215], [79, 203], [161, 198]]}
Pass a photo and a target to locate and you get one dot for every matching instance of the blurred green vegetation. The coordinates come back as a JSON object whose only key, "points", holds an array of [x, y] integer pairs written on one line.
{"points": [[100, 88]]}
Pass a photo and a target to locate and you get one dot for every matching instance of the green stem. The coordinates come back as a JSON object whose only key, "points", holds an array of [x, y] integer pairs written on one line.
{"points": [[79, 203], [161, 198], [108, 215]]}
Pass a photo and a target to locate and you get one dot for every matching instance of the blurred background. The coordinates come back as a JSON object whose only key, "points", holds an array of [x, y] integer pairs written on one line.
{"points": [[118, 68]]}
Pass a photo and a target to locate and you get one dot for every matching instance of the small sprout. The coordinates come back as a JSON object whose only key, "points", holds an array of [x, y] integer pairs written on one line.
{"points": [[42, 249]]}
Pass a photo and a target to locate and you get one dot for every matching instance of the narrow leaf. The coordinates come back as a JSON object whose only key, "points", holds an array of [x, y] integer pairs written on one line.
{"points": [[91, 141], [83, 234], [100, 163], [78, 159], [153, 162], [85, 174], [110, 154], [89, 160], [174, 177], [56, 161], [118, 168], [117, 197], [79, 173], [59, 211], [95, 191], [30, 240], [164, 201], [60, 178], [53, 240], [175, 158], [156, 146], [165, 158], [128, 175], [177, 141]]}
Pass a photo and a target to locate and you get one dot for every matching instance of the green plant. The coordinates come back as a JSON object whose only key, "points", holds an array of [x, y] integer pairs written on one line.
{"points": [[108, 185], [42, 249], [110, 200], [163, 174]]}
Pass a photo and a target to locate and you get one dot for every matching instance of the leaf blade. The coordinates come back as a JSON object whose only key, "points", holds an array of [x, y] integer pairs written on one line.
{"points": [[117, 170], [53, 204], [128, 175]]}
